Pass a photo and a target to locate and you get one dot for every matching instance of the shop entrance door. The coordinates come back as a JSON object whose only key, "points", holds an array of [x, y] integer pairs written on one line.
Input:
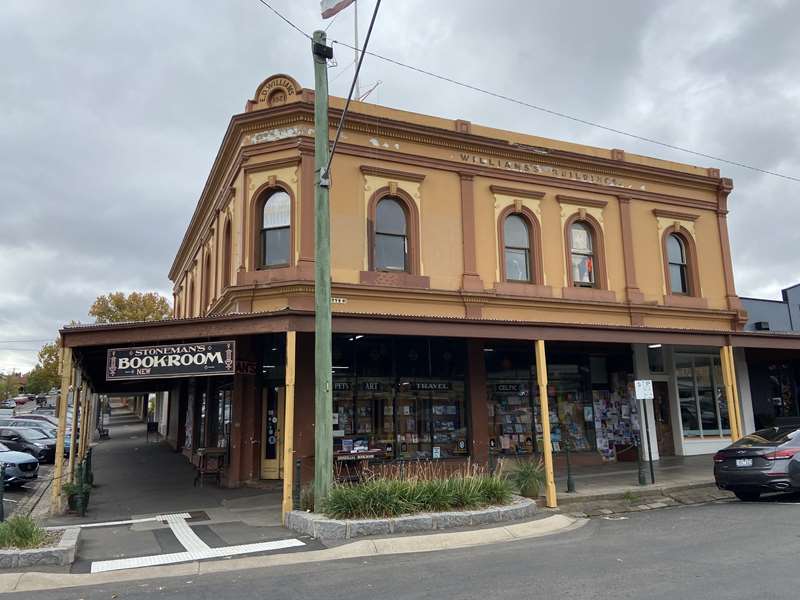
{"points": [[666, 444], [272, 404]]}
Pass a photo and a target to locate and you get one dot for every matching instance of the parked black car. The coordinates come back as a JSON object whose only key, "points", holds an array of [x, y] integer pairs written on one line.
{"points": [[765, 461], [33, 442]]}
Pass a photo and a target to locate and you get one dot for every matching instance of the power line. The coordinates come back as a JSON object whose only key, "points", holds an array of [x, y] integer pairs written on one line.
{"points": [[287, 21], [25, 341], [324, 174], [543, 109], [570, 117]]}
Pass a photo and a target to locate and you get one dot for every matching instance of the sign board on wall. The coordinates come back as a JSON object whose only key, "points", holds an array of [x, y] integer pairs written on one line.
{"points": [[191, 359], [644, 389]]}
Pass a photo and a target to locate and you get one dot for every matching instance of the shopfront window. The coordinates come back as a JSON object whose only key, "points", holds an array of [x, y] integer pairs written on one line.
{"points": [[222, 429], [590, 401], [704, 409], [509, 382], [399, 398]]}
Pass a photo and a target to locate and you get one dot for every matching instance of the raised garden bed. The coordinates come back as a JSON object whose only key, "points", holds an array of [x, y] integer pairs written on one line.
{"points": [[59, 550], [321, 527]]}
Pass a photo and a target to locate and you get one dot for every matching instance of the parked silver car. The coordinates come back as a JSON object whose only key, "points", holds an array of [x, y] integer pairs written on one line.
{"points": [[21, 467]]}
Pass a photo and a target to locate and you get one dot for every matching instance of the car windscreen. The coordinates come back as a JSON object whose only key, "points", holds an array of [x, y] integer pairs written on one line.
{"points": [[4, 448], [31, 434], [774, 436], [34, 425]]}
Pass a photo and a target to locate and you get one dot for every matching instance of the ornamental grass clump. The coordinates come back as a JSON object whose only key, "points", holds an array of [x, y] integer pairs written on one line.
{"points": [[393, 490], [21, 532], [528, 477]]}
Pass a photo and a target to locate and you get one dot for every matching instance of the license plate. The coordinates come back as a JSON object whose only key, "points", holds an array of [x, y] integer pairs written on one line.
{"points": [[744, 462]]}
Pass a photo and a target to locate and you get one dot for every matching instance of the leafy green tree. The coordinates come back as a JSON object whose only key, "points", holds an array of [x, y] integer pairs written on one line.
{"points": [[45, 374], [10, 384], [117, 307]]}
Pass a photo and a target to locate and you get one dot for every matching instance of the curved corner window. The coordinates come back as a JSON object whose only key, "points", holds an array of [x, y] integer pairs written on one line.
{"points": [[517, 248], [582, 255], [391, 236], [676, 255], [275, 230]]}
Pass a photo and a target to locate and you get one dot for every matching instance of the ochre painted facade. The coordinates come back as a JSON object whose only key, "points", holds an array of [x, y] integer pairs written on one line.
{"points": [[459, 179]]}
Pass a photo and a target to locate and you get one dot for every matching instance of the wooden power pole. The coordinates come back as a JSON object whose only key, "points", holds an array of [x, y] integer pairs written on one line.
{"points": [[323, 403]]}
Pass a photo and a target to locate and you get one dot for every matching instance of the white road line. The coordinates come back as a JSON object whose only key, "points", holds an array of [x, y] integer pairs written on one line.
{"points": [[185, 535], [176, 557], [128, 522]]}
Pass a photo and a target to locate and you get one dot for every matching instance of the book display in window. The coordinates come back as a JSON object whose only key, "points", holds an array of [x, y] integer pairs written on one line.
{"points": [[510, 416]]}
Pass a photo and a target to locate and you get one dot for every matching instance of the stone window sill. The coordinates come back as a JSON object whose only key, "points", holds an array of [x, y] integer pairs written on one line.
{"points": [[397, 280]]}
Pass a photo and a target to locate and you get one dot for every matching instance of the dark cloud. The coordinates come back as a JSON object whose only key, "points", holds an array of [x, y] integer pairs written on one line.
{"points": [[113, 113]]}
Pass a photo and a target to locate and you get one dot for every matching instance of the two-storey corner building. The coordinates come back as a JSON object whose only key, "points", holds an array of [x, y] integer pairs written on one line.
{"points": [[454, 248]]}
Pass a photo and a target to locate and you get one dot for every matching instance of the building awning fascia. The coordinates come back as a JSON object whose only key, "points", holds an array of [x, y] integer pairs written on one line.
{"points": [[233, 325]]}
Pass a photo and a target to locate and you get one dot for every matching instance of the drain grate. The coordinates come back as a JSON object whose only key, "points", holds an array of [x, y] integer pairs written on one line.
{"points": [[198, 515]]}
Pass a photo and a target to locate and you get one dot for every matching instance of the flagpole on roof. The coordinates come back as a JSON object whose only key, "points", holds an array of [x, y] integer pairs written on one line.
{"points": [[355, 45]]}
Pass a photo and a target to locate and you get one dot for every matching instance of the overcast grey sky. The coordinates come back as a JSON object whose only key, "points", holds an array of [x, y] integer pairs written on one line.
{"points": [[111, 114]]}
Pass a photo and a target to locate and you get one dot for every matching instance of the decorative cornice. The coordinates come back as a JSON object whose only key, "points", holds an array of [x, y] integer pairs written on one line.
{"points": [[270, 165], [576, 201], [510, 191], [671, 214], [391, 174]]}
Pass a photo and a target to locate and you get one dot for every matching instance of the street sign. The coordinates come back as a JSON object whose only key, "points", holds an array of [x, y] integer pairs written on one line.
{"points": [[644, 389]]}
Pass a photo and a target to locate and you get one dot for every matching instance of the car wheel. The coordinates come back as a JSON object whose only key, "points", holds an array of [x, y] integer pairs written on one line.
{"points": [[747, 495]]}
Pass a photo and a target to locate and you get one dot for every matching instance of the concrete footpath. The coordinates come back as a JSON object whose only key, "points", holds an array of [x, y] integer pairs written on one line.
{"points": [[614, 487], [556, 523]]}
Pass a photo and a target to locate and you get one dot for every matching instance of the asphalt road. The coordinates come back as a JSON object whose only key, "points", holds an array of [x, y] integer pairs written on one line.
{"points": [[730, 550]]}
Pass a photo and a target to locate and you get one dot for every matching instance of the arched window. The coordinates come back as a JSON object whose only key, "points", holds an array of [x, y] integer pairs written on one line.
{"points": [[582, 258], [227, 255], [517, 248], [678, 267], [391, 236], [275, 230]]}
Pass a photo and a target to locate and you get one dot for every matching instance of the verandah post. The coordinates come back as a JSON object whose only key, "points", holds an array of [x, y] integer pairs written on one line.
{"points": [[544, 410], [288, 426]]}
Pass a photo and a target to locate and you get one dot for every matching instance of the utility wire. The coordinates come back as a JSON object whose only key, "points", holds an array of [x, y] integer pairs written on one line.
{"points": [[287, 21], [324, 175], [570, 117], [543, 109]]}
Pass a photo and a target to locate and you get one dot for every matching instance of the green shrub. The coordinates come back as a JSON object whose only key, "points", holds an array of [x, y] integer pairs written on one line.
{"points": [[21, 532], [528, 477], [384, 497], [71, 489]]}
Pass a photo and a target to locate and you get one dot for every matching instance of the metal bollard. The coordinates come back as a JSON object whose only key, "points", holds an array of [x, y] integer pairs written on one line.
{"points": [[2, 492], [89, 472], [296, 484], [570, 481], [640, 463]]}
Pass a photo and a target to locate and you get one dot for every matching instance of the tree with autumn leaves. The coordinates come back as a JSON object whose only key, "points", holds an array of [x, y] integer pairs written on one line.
{"points": [[136, 306], [115, 307]]}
